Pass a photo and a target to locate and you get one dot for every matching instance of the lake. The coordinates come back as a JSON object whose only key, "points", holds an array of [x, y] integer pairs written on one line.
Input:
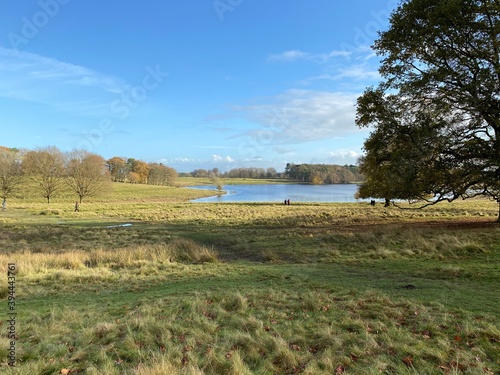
{"points": [[280, 192]]}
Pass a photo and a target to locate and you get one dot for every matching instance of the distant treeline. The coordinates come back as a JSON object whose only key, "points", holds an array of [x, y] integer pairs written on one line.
{"points": [[236, 173], [132, 170], [323, 173], [311, 173]]}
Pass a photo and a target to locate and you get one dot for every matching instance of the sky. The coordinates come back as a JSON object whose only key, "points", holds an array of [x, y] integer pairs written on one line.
{"points": [[190, 83]]}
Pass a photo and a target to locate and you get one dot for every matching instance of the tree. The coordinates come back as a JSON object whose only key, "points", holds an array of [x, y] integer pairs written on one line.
{"points": [[271, 173], [118, 168], [45, 167], [445, 54], [10, 171], [140, 168], [160, 174], [87, 174], [406, 152], [200, 173], [217, 183]]}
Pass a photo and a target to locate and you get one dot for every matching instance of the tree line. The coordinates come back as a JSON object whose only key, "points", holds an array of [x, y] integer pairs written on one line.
{"points": [[309, 173], [137, 171], [245, 172], [436, 113], [323, 173], [85, 174]]}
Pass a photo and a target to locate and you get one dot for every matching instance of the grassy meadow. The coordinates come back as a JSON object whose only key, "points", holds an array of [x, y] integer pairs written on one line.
{"points": [[249, 288]]}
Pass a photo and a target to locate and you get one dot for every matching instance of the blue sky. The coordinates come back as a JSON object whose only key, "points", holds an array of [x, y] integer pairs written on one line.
{"points": [[191, 83]]}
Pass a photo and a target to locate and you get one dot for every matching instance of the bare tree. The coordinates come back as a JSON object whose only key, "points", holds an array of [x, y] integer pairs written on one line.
{"points": [[87, 174], [10, 171], [45, 167]]}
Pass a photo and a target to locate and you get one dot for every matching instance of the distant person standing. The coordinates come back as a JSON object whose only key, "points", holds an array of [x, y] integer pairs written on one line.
{"points": [[4, 204], [77, 207]]}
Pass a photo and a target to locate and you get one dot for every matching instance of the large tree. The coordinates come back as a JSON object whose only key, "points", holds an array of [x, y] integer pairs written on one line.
{"points": [[160, 174], [45, 167], [139, 169], [87, 174], [118, 168], [406, 153], [10, 171], [445, 54]]}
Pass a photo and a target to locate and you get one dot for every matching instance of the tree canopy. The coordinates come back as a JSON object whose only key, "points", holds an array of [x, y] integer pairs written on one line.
{"points": [[438, 104], [323, 173], [45, 166], [10, 171], [86, 173]]}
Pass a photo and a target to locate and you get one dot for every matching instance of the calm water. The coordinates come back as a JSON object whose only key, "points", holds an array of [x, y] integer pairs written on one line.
{"points": [[280, 192]]}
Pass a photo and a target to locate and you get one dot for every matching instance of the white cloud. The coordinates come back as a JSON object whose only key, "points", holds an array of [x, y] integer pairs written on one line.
{"points": [[30, 77], [295, 55], [289, 56], [344, 154], [356, 73], [299, 116], [218, 158], [340, 156]]}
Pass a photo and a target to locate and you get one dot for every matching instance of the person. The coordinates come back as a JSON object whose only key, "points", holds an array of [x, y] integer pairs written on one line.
{"points": [[4, 204], [288, 202], [77, 207]]}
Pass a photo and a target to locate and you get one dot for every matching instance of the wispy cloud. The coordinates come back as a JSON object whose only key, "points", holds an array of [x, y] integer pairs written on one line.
{"points": [[299, 116], [355, 72], [296, 55], [59, 85]]}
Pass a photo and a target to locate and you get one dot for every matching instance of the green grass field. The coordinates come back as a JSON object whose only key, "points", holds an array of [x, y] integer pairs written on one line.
{"points": [[192, 288]]}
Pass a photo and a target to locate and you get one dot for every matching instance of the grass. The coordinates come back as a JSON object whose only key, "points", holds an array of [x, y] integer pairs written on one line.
{"points": [[250, 288]]}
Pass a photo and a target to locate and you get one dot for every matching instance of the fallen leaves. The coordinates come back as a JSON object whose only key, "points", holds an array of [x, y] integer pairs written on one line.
{"points": [[408, 360]]}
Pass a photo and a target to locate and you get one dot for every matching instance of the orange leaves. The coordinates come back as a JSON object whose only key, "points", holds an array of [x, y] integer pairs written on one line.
{"points": [[408, 360]]}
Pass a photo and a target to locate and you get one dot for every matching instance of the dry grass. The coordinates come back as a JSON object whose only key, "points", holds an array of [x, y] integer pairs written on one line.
{"points": [[179, 250]]}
